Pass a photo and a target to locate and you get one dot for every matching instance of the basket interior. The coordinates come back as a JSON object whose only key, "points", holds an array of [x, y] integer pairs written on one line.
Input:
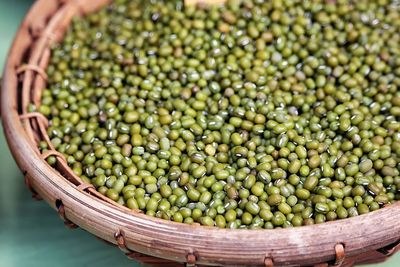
{"points": [[48, 31]]}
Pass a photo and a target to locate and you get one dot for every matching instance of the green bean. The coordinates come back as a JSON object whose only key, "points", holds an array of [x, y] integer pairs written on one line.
{"points": [[202, 115]]}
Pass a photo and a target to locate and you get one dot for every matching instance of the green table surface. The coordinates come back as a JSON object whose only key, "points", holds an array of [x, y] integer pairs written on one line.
{"points": [[31, 233]]}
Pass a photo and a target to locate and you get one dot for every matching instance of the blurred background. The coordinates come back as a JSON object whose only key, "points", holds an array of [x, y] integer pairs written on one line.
{"points": [[31, 233]]}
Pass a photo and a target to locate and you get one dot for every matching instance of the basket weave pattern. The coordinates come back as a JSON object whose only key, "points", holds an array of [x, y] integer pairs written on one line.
{"points": [[364, 239]]}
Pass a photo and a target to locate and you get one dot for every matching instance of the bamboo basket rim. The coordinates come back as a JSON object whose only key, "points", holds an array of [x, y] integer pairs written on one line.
{"points": [[132, 230]]}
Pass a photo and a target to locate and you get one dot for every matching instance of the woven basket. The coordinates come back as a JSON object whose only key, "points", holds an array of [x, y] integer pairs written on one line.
{"points": [[362, 239]]}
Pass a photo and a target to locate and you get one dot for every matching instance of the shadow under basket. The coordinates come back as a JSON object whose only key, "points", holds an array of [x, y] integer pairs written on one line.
{"points": [[369, 238]]}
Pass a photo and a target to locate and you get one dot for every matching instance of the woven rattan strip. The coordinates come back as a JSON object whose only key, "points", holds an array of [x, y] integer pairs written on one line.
{"points": [[119, 237], [39, 81], [61, 213], [54, 153], [191, 260], [42, 123], [268, 262], [37, 115], [391, 249], [85, 186], [31, 67], [340, 255]]}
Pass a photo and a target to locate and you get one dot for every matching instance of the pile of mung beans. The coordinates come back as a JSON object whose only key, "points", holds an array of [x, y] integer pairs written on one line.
{"points": [[254, 114]]}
